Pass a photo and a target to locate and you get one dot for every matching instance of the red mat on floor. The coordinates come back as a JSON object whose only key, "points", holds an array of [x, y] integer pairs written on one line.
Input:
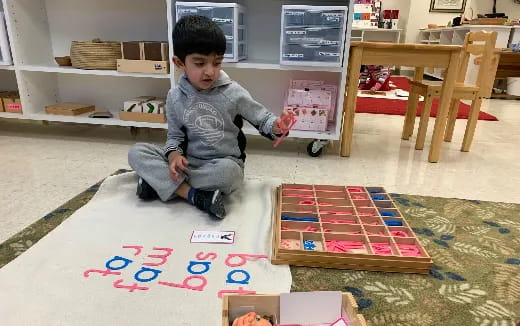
{"points": [[398, 107]]}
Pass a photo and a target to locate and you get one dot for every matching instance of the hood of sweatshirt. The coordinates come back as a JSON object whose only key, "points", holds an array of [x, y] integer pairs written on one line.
{"points": [[187, 88]]}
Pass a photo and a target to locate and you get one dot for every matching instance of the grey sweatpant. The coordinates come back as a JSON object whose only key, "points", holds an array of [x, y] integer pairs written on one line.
{"points": [[224, 174]]}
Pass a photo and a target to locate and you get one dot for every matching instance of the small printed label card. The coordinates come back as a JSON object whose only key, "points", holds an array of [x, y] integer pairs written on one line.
{"points": [[223, 237]]}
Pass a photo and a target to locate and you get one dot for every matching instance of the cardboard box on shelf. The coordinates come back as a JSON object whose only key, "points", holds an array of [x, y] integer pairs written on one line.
{"points": [[69, 108], [14, 107], [136, 104], [142, 117], [295, 309], [2, 95], [143, 66], [10, 102]]}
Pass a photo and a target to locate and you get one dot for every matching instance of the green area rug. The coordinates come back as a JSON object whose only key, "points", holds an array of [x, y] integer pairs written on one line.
{"points": [[475, 247]]}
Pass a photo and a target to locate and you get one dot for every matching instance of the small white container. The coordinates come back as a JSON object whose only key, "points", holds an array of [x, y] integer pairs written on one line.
{"points": [[231, 18]]}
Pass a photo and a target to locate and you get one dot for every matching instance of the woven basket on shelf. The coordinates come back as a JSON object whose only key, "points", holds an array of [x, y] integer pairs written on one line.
{"points": [[95, 54]]}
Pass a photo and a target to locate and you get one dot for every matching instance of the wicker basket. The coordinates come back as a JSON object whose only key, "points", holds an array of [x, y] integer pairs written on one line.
{"points": [[95, 55]]}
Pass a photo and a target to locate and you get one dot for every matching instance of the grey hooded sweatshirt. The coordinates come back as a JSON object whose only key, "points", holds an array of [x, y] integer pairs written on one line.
{"points": [[207, 124]]}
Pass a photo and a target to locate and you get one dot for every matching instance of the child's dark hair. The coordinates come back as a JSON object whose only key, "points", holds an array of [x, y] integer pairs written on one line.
{"points": [[197, 34]]}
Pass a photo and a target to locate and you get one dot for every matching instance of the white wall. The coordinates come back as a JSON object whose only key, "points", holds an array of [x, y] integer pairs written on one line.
{"points": [[420, 17], [506, 6]]}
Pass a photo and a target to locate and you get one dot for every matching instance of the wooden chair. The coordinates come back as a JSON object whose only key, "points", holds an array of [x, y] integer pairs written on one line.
{"points": [[482, 46]]}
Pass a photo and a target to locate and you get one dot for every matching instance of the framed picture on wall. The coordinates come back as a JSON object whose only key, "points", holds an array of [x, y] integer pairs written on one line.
{"points": [[448, 6]]}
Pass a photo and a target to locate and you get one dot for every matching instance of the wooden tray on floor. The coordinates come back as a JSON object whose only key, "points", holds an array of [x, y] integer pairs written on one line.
{"points": [[365, 213]]}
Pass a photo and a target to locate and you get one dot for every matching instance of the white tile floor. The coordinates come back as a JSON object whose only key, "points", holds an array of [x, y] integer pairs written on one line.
{"points": [[41, 167]]}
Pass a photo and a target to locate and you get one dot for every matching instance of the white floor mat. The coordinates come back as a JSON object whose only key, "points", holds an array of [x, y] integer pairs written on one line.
{"points": [[56, 282]]}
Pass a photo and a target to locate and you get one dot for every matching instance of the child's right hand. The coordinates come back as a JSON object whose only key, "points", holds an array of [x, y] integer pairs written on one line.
{"points": [[177, 162]]}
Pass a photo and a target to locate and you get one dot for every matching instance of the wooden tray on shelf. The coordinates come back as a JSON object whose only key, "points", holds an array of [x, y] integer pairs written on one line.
{"points": [[314, 224], [68, 108]]}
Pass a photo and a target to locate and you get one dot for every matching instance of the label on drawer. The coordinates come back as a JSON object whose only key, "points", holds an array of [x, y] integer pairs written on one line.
{"points": [[331, 15], [326, 42], [293, 55], [295, 13], [295, 32], [223, 20], [187, 11], [328, 54], [333, 19]]}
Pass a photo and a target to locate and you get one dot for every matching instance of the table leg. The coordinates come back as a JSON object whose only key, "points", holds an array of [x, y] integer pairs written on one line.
{"points": [[411, 111], [444, 105], [349, 104]]}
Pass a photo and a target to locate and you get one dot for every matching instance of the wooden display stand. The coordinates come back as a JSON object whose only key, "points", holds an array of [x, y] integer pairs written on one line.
{"points": [[270, 305], [332, 214], [144, 57], [143, 117]]}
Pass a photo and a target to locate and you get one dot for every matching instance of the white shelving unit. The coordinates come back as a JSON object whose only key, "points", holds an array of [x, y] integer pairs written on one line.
{"points": [[39, 30], [7, 74], [70, 70], [455, 36], [376, 35], [263, 76]]}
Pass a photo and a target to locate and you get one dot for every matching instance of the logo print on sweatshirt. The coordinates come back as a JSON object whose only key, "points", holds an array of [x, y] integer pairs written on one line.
{"points": [[205, 122]]}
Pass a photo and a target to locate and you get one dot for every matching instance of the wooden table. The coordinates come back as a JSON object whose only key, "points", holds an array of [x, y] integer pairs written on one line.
{"points": [[408, 55]]}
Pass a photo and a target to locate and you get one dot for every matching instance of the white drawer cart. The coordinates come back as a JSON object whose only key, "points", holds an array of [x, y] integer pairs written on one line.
{"points": [[39, 30]]}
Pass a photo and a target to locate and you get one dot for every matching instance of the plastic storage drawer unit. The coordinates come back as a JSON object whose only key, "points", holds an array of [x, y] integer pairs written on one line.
{"points": [[312, 53], [230, 17], [313, 35]]}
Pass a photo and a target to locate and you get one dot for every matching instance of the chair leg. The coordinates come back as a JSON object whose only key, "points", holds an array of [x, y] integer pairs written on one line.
{"points": [[411, 113], [452, 118], [472, 124], [423, 124]]}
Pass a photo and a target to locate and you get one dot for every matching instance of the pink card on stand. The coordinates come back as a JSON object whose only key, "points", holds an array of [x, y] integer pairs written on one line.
{"points": [[318, 85]]}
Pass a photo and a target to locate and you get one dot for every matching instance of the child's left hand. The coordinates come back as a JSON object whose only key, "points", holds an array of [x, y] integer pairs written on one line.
{"points": [[281, 124]]}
